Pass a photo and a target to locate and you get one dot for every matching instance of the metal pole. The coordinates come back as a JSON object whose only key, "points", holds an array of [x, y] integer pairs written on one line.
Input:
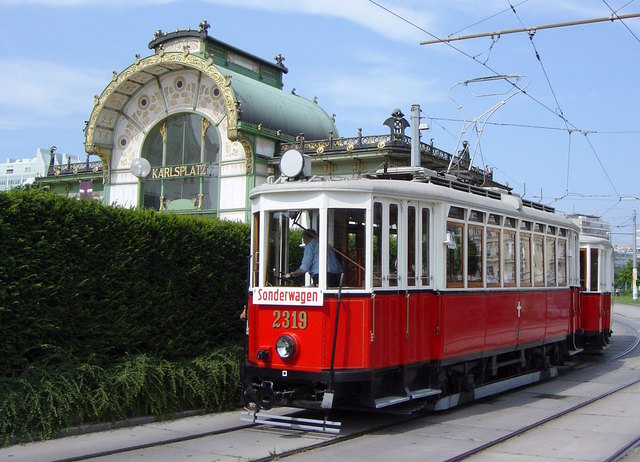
{"points": [[415, 135], [531, 29], [635, 263]]}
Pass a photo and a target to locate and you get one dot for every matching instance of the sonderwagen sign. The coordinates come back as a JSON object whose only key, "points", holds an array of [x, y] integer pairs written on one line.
{"points": [[178, 171], [290, 296]]}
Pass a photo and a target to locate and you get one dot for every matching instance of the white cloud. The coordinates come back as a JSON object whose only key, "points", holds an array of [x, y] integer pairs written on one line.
{"points": [[39, 92]]}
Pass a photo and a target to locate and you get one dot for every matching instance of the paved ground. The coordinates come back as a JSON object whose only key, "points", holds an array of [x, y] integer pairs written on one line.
{"points": [[589, 435]]}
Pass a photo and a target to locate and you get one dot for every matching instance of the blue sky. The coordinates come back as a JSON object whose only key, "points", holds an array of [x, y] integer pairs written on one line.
{"points": [[571, 141]]}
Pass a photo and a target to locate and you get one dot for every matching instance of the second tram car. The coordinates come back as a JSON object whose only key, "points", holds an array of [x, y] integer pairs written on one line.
{"points": [[596, 284], [448, 292]]}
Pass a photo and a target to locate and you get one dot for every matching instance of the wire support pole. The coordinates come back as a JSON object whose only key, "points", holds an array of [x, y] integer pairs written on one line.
{"points": [[634, 276], [532, 29]]}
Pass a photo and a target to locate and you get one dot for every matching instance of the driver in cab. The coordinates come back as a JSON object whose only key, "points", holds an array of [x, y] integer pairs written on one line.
{"points": [[309, 262]]}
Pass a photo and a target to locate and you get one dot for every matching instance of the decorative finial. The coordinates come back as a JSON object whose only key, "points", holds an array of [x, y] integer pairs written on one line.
{"points": [[279, 59], [397, 124], [293, 91], [204, 27], [157, 34]]}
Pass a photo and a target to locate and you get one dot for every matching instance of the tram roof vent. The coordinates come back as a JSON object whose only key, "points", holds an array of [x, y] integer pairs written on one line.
{"points": [[404, 173]]}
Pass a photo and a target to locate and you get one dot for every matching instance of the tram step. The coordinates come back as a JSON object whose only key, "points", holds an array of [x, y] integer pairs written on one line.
{"points": [[576, 351], [389, 401], [296, 423], [424, 392]]}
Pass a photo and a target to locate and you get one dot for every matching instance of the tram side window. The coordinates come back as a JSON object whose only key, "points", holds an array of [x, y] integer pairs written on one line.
{"points": [[493, 256], [474, 256], [393, 245], [424, 232], [562, 262], [594, 270], [538, 260], [551, 261], [583, 269], [347, 227], [411, 245], [455, 252], [509, 256], [255, 260], [377, 244], [525, 260]]}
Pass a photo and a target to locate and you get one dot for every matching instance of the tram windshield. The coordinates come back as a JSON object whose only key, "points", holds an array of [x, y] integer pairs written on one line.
{"points": [[298, 254]]}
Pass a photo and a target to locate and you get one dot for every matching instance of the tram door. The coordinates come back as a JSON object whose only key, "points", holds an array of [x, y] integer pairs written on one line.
{"points": [[386, 223], [389, 307]]}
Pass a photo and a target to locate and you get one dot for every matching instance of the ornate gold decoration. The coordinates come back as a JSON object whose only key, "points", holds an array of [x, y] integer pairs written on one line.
{"points": [[105, 157], [320, 150], [248, 154], [161, 58], [381, 144], [163, 132], [350, 147], [205, 124]]}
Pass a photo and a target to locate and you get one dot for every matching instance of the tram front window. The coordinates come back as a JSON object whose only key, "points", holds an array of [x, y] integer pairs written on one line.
{"points": [[294, 250], [284, 244]]}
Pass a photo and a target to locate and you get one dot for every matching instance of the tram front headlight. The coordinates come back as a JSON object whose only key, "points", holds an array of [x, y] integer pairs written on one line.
{"points": [[286, 347]]}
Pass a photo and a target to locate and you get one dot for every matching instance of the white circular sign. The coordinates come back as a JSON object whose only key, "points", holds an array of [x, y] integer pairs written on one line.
{"points": [[291, 163]]}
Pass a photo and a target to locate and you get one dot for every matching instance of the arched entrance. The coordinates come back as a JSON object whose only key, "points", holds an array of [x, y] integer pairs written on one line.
{"points": [[183, 151]]}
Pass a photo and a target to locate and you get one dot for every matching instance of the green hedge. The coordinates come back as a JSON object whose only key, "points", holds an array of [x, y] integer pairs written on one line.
{"points": [[85, 283], [43, 401]]}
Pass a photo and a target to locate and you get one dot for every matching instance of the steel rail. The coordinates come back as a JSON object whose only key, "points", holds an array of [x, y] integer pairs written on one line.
{"points": [[110, 452], [343, 438]]}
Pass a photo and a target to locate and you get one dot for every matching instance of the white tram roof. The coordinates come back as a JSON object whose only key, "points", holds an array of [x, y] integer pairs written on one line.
{"points": [[425, 187], [594, 241]]}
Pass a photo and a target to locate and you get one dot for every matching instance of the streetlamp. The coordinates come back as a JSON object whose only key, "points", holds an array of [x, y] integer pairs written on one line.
{"points": [[140, 168]]}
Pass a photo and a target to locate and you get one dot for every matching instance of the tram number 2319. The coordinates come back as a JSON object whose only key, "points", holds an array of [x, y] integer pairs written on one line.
{"points": [[289, 319]]}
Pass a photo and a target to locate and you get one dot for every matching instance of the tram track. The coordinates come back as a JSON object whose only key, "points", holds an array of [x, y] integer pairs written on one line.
{"points": [[387, 424], [617, 456], [163, 442], [519, 432]]}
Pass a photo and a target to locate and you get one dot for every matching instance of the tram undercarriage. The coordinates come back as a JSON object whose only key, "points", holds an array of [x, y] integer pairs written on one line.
{"points": [[428, 385]]}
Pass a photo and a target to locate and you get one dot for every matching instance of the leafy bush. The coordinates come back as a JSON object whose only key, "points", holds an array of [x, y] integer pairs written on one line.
{"points": [[109, 313], [43, 401], [78, 279]]}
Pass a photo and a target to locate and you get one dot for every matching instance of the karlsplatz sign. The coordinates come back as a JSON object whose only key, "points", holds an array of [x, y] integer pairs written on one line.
{"points": [[178, 171]]}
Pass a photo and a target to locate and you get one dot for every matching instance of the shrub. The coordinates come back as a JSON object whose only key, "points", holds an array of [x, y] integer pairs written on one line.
{"points": [[80, 280], [43, 401]]}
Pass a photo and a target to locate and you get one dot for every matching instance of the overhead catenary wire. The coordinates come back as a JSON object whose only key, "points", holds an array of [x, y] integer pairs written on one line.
{"points": [[558, 113], [614, 17], [553, 93], [615, 13]]}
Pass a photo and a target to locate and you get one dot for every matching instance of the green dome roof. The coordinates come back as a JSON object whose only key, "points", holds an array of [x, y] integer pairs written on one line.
{"points": [[279, 110]]}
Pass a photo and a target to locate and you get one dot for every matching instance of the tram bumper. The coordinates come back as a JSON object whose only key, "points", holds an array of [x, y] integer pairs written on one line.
{"points": [[265, 388]]}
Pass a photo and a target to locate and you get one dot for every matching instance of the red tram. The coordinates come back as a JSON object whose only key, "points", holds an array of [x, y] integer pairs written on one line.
{"points": [[596, 284], [449, 292]]}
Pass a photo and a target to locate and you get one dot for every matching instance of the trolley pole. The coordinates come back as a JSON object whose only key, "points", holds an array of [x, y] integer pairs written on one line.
{"points": [[635, 263]]}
